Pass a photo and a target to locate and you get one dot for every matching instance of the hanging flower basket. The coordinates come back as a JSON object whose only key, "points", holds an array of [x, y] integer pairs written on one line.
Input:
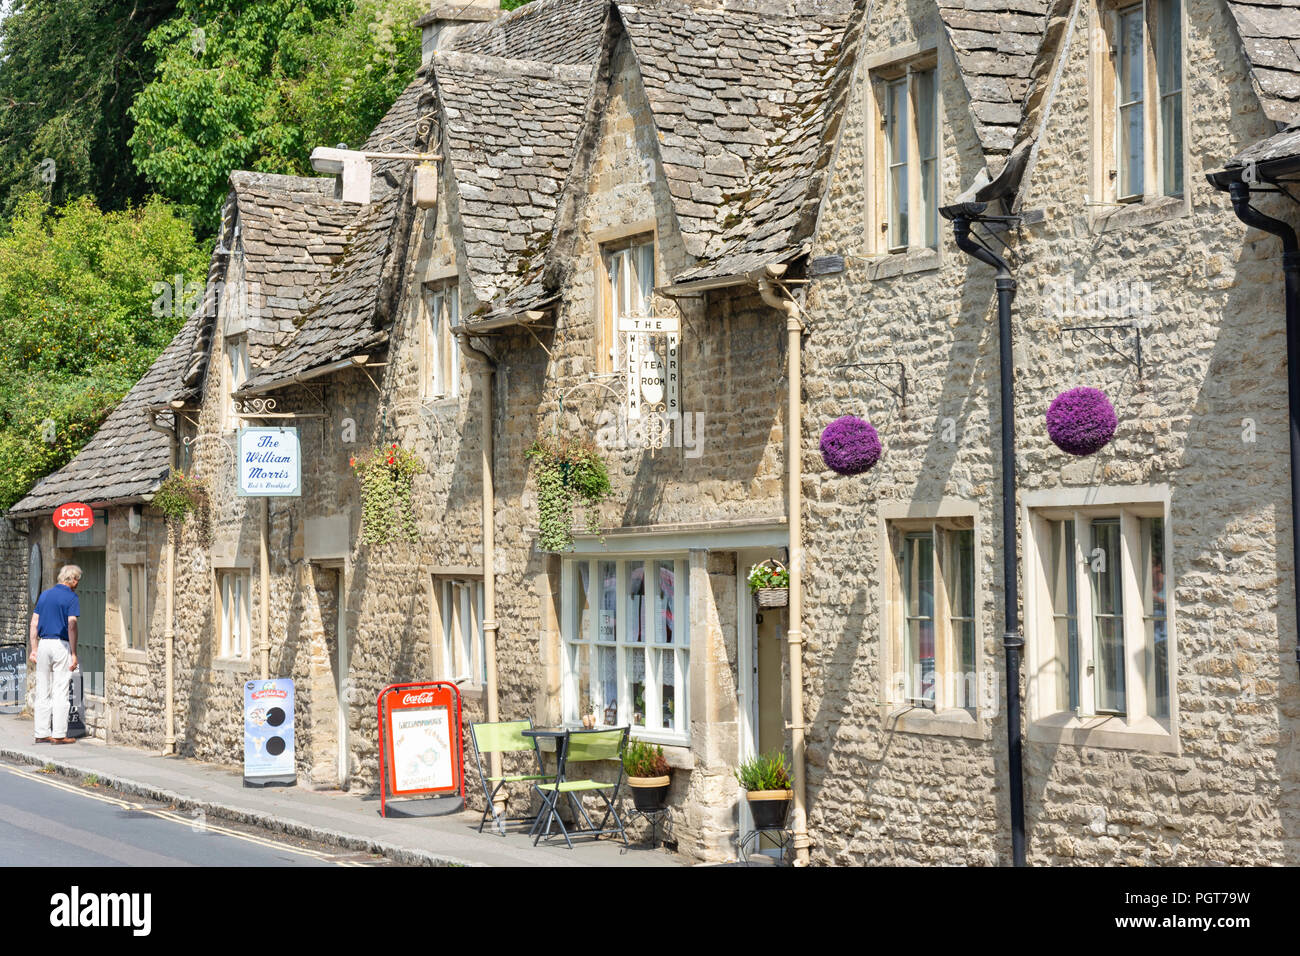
{"points": [[387, 511], [770, 582], [571, 476], [1081, 421], [850, 445]]}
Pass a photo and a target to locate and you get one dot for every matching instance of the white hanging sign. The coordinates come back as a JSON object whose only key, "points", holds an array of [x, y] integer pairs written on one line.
{"points": [[270, 463], [653, 365]]}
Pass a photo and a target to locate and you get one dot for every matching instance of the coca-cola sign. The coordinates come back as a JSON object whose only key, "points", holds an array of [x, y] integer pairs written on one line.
{"points": [[410, 700]]}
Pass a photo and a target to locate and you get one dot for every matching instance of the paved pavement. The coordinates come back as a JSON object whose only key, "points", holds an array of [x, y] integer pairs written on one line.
{"points": [[330, 817]]}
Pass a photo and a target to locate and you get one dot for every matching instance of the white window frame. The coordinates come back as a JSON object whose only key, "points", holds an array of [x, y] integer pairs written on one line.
{"points": [[1139, 726], [458, 624], [575, 638], [923, 210], [953, 689], [236, 371], [233, 599], [627, 283], [439, 348], [1157, 95]]}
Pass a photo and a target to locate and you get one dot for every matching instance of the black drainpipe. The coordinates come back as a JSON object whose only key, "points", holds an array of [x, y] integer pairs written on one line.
{"points": [[962, 216], [1239, 192]]}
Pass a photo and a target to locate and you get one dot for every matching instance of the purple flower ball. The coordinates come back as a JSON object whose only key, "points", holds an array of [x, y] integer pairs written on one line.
{"points": [[1081, 421], [850, 445]]}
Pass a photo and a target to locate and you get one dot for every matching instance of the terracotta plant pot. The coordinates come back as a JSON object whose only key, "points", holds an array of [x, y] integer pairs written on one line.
{"points": [[649, 793], [769, 807]]}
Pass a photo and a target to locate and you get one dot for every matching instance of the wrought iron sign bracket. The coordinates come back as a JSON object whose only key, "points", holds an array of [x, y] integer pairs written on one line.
{"points": [[1108, 336], [899, 393], [250, 408]]}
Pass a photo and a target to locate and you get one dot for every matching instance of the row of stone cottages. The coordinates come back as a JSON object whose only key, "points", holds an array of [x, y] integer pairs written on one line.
{"points": [[768, 191]]}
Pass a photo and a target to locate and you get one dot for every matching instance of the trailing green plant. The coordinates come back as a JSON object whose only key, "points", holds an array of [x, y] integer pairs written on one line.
{"points": [[764, 575], [567, 472], [387, 510], [764, 772], [641, 759], [178, 497]]}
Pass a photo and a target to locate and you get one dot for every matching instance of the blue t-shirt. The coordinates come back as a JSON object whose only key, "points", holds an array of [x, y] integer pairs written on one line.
{"points": [[53, 610]]}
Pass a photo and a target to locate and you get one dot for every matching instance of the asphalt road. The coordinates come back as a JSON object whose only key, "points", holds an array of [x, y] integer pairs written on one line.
{"points": [[49, 820]]}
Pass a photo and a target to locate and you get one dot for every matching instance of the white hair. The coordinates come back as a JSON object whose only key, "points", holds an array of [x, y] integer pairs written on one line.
{"points": [[69, 573]]}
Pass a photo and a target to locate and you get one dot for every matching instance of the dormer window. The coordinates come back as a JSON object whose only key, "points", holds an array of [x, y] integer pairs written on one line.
{"points": [[627, 289], [1138, 102], [440, 352], [236, 372], [903, 171]]}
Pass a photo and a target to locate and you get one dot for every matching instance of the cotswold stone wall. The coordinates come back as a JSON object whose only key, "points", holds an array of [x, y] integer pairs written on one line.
{"points": [[15, 608], [733, 363], [1215, 356]]}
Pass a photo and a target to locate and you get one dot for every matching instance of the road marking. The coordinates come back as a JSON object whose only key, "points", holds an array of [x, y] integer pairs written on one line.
{"points": [[174, 817]]}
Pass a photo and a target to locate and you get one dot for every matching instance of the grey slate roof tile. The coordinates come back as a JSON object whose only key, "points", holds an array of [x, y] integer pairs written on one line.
{"points": [[712, 95], [995, 43], [1270, 34]]}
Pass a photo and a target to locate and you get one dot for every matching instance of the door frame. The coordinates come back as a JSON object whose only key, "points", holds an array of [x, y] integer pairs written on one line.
{"points": [[341, 567]]}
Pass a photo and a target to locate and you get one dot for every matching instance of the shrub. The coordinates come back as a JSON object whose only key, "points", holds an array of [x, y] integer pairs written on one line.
{"points": [[764, 772], [641, 759]]}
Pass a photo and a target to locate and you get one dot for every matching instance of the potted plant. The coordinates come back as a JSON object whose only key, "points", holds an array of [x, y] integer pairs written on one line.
{"points": [[647, 775], [770, 583], [386, 476], [766, 780], [568, 473]]}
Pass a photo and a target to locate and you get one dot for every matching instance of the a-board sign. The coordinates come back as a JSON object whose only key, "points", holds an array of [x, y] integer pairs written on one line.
{"points": [[420, 749], [268, 732], [77, 704], [270, 463], [13, 678], [74, 518]]}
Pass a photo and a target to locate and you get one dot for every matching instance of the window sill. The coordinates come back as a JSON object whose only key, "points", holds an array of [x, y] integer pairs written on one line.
{"points": [[677, 749], [955, 722], [888, 265], [441, 403], [1146, 733], [1140, 215], [235, 664], [135, 656]]}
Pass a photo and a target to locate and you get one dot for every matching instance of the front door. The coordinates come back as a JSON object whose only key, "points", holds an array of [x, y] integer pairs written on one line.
{"points": [[91, 593]]}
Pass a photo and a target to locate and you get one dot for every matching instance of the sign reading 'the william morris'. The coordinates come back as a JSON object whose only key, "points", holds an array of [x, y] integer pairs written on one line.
{"points": [[270, 463]]}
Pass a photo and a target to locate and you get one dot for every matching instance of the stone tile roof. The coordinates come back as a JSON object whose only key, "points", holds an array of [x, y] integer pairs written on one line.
{"points": [[995, 43], [291, 231], [125, 458], [1270, 35], [1278, 146], [552, 31], [723, 86], [341, 321], [510, 129], [773, 219]]}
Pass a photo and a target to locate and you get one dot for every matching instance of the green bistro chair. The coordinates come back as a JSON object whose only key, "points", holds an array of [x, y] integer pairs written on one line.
{"points": [[585, 745], [505, 737]]}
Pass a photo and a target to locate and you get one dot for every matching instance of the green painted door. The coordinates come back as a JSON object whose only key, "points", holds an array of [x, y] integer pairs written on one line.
{"points": [[90, 626]]}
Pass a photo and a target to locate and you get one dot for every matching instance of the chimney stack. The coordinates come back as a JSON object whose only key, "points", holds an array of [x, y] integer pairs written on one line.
{"points": [[440, 23]]}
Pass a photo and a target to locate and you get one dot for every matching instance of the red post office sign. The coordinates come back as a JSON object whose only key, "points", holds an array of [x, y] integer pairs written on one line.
{"points": [[74, 518], [420, 741]]}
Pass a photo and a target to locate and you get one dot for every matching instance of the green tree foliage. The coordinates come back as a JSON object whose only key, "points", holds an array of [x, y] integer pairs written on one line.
{"points": [[69, 70], [257, 84], [77, 286]]}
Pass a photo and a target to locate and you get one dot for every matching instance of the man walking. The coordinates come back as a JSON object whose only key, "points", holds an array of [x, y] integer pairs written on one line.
{"points": [[54, 652]]}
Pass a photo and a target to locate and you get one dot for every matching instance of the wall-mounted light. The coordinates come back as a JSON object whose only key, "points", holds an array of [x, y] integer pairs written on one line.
{"points": [[133, 518]]}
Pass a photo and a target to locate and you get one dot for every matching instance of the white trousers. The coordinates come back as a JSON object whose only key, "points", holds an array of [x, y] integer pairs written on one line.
{"points": [[53, 675]]}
